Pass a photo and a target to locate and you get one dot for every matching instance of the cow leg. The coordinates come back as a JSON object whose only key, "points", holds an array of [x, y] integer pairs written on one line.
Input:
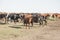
{"points": [[11, 20], [32, 23], [40, 22], [5, 20], [24, 22], [15, 21], [29, 25], [45, 22], [26, 26]]}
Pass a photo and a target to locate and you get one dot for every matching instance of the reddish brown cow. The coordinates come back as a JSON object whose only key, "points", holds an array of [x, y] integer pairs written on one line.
{"points": [[56, 15], [45, 15], [28, 20]]}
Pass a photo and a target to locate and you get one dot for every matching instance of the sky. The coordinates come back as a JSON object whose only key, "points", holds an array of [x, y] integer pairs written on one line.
{"points": [[40, 6]]}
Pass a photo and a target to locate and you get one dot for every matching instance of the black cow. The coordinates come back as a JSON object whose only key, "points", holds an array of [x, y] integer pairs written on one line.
{"points": [[3, 16], [13, 17], [39, 19], [42, 19]]}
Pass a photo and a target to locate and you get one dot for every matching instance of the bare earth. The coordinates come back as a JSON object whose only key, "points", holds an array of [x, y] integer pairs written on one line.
{"points": [[12, 31]]}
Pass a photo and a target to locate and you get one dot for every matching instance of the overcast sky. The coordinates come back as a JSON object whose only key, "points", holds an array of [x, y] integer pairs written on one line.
{"points": [[30, 6]]}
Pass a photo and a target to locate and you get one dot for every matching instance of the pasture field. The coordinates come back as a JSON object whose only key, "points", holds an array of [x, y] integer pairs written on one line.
{"points": [[17, 31]]}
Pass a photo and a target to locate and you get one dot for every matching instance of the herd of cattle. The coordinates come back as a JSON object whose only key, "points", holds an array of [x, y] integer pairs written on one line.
{"points": [[28, 18]]}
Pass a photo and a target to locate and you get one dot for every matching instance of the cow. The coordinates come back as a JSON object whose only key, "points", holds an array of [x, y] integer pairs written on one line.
{"points": [[56, 15], [47, 15], [3, 16], [13, 17], [27, 20], [42, 19], [39, 18]]}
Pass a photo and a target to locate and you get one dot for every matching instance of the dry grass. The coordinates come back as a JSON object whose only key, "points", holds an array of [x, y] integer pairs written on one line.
{"points": [[18, 32]]}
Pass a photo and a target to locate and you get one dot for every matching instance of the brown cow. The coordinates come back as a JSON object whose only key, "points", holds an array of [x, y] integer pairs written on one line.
{"points": [[28, 20], [56, 15], [45, 15]]}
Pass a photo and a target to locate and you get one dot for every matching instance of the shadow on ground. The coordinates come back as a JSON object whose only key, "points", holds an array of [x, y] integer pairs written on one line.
{"points": [[17, 27], [2, 23]]}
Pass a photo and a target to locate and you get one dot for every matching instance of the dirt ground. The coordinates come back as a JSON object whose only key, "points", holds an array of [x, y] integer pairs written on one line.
{"points": [[12, 31]]}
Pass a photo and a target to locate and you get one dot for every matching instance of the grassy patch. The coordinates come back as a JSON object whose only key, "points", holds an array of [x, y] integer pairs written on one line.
{"points": [[52, 19]]}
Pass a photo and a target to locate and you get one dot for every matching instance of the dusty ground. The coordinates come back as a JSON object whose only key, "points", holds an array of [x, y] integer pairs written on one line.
{"points": [[18, 32]]}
